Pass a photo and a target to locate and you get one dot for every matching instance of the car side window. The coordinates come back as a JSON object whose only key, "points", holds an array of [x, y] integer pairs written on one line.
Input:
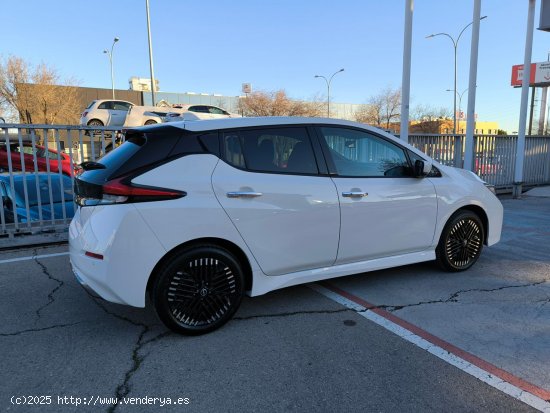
{"points": [[216, 111], [361, 154], [121, 106], [105, 105], [27, 150], [199, 109], [275, 150]]}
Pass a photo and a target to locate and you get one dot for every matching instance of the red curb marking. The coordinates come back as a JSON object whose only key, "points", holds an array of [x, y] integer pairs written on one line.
{"points": [[476, 361]]}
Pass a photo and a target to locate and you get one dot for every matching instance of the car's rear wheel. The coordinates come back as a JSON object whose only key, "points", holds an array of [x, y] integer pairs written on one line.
{"points": [[198, 290], [95, 122], [151, 122], [461, 242]]}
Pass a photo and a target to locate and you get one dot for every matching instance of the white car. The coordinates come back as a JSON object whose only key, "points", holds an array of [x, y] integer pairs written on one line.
{"points": [[196, 214], [107, 112], [198, 112], [144, 115]]}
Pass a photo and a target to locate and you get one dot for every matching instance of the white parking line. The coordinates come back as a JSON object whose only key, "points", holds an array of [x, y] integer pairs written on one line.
{"points": [[33, 257], [484, 371]]}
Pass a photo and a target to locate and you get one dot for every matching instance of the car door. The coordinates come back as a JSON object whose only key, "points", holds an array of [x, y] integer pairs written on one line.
{"points": [[118, 113], [270, 186], [385, 211]]}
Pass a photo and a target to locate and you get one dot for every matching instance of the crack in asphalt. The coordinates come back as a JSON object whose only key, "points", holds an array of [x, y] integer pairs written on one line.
{"points": [[123, 389], [33, 330], [453, 298], [51, 298]]}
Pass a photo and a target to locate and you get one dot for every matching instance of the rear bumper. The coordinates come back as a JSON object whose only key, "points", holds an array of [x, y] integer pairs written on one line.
{"points": [[129, 249]]}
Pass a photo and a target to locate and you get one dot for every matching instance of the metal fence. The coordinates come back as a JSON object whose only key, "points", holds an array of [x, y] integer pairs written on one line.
{"points": [[494, 156], [38, 165]]}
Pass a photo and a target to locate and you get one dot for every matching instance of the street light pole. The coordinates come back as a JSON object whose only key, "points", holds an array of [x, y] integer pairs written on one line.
{"points": [[328, 82], [455, 46], [150, 53], [459, 101], [110, 54]]}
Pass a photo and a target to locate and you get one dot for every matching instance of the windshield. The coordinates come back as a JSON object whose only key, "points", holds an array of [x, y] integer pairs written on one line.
{"points": [[57, 195]]}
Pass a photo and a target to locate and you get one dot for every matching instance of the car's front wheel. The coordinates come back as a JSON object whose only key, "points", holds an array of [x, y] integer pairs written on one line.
{"points": [[151, 122], [198, 290], [461, 242]]}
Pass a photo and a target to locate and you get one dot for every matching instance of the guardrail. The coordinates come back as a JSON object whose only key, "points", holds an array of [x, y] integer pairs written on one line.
{"points": [[39, 164]]}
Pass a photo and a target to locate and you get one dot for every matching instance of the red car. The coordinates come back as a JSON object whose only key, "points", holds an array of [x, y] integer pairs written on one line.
{"points": [[43, 157]]}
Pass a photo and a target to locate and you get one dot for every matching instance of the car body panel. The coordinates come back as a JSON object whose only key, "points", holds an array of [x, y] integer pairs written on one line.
{"points": [[281, 224], [458, 188], [405, 206], [127, 244]]}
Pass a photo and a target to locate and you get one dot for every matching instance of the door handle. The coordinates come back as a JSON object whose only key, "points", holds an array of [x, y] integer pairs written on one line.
{"points": [[243, 194], [354, 194]]}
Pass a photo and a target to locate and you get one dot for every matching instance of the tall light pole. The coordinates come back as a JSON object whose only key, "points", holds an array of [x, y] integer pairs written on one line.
{"points": [[455, 45], [459, 99], [328, 88], [110, 54], [150, 52]]}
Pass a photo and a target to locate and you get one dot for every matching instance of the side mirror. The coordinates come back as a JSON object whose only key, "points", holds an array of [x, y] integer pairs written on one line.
{"points": [[422, 168]]}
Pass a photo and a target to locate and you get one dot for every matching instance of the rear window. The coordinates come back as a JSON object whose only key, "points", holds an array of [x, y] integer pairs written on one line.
{"points": [[144, 149]]}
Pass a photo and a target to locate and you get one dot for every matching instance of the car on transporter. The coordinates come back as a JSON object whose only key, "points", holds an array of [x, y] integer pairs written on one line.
{"points": [[197, 214], [112, 113]]}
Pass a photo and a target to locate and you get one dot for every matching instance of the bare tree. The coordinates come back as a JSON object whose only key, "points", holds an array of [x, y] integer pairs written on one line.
{"points": [[278, 104], [382, 109], [428, 119], [35, 94]]}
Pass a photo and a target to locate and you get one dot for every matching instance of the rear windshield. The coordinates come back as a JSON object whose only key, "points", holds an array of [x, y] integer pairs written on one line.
{"points": [[139, 151]]}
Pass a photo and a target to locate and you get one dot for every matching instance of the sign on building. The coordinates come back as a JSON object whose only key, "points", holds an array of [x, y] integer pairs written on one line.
{"points": [[540, 74]]}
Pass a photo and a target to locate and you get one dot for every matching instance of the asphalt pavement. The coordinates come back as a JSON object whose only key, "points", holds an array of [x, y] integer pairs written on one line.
{"points": [[64, 350]]}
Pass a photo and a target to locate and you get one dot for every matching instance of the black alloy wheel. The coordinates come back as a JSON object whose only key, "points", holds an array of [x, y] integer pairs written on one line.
{"points": [[198, 290], [461, 242], [150, 122]]}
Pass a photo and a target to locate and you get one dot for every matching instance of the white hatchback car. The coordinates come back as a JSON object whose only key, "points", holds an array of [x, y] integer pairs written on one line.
{"points": [[198, 112], [114, 113], [195, 214]]}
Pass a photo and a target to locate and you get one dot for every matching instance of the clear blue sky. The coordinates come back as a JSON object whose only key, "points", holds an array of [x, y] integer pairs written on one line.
{"points": [[215, 46]]}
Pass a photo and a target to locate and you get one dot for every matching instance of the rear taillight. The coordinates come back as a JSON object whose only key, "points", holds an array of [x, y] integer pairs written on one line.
{"points": [[121, 191], [84, 114]]}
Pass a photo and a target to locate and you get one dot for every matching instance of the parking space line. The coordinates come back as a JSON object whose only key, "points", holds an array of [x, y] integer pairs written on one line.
{"points": [[33, 257], [502, 380]]}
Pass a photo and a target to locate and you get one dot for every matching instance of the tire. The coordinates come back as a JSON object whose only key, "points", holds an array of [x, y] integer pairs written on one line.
{"points": [[461, 242], [198, 290], [151, 122], [95, 122]]}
